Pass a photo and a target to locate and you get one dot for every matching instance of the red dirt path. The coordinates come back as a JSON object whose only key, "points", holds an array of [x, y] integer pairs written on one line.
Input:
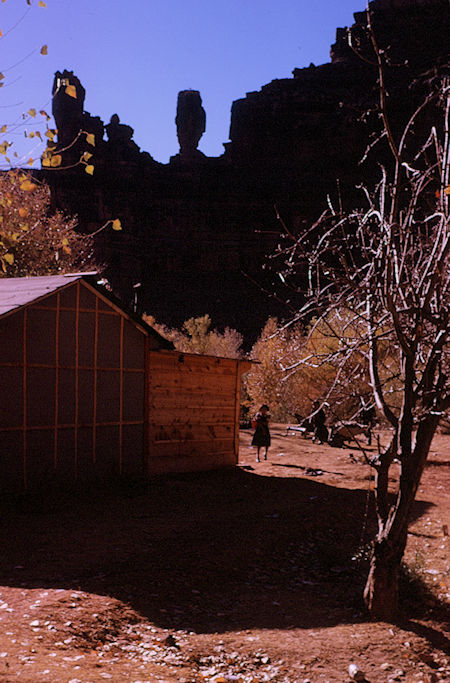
{"points": [[235, 575]]}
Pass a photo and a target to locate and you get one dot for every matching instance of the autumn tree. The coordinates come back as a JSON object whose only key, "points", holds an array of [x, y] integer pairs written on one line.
{"points": [[196, 336], [385, 267], [267, 382], [33, 240]]}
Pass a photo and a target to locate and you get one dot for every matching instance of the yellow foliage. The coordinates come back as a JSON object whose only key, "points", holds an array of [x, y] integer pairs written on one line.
{"points": [[34, 241], [197, 337], [28, 186], [71, 91], [89, 169], [90, 139], [32, 112], [44, 50], [269, 381], [116, 224], [55, 160]]}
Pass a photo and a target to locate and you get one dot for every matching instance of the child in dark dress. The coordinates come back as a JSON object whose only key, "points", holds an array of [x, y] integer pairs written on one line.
{"points": [[261, 437]]}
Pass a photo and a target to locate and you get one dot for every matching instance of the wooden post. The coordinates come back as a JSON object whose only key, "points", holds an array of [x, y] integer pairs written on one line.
{"points": [[237, 403], [55, 438], [94, 407], [146, 440], [77, 379], [24, 398], [121, 398]]}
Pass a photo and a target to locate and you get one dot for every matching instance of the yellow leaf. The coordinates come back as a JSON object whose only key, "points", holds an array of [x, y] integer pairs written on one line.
{"points": [[86, 156], [32, 112], [15, 236], [447, 190], [23, 212], [45, 161], [30, 161], [31, 134], [50, 133], [116, 224], [41, 4], [55, 160], [44, 50], [90, 139], [67, 250], [64, 241], [8, 160], [9, 258], [71, 90], [28, 186], [89, 169], [4, 147], [4, 128], [1, 77]]}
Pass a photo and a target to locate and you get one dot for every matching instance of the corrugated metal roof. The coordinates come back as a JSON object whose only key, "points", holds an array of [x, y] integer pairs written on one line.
{"points": [[19, 291]]}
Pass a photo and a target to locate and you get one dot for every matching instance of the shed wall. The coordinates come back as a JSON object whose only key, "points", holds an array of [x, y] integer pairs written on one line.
{"points": [[192, 412], [72, 402]]}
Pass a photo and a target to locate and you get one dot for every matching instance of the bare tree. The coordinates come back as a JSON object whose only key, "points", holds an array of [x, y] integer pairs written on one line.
{"points": [[385, 267]]}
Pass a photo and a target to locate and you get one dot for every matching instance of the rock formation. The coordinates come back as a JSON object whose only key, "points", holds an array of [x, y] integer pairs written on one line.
{"points": [[198, 230], [191, 122]]}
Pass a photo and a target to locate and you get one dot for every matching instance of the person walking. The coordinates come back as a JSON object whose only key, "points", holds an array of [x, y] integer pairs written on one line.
{"points": [[261, 437]]}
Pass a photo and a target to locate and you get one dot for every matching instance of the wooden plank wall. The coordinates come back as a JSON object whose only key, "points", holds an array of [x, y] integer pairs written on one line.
{"points": [[193, 412]]}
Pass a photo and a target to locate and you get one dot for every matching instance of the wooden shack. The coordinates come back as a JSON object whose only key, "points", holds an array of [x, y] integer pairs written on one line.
{"points": [[90, 392]]}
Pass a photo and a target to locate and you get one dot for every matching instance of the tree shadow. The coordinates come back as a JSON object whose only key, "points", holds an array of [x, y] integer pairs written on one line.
{"points": [[207, 552]]}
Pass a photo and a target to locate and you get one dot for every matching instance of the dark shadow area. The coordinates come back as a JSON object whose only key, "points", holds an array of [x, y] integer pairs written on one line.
{"points": [[209, 552], [437, 463]]}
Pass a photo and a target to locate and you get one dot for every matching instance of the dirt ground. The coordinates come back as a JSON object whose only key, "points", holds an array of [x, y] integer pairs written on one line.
{"points": [[252, 574]]}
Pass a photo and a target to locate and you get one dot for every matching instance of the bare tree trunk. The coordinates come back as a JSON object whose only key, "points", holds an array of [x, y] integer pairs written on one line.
{"points": [[381, 590]]}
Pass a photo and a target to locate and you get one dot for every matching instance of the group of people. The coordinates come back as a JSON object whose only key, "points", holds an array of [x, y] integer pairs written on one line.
{"points": [[261, 436]]}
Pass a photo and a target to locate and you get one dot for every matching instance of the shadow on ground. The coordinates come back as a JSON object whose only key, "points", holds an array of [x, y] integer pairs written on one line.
{"points": [[208, 552]]}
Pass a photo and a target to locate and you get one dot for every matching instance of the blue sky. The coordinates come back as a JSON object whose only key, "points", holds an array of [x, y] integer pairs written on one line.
{"points": [[134, 56]]}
